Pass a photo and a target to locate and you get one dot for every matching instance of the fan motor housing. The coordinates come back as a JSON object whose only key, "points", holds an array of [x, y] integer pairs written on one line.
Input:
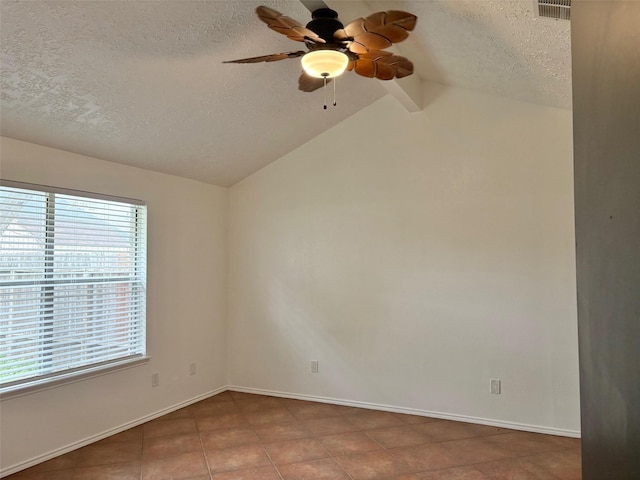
{"points": [[325, 22]]}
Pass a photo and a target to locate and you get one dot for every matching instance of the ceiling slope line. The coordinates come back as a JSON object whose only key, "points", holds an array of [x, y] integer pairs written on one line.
{"points": [[313, 5]]}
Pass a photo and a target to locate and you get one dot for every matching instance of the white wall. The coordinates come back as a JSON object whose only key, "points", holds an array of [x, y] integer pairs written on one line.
{"points": [[415, 256], [186, 305]]}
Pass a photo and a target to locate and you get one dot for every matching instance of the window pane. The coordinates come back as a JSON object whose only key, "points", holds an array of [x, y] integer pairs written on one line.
{"points": [[72, 282], [22, 243]]}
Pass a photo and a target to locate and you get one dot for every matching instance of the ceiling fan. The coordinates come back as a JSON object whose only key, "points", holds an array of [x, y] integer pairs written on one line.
{"points": [[334, 48]]}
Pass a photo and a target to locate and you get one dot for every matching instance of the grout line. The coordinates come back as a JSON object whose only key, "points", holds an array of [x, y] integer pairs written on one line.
{"points": [[251, 426], [381, 445], [204, 453], [141, 450]]}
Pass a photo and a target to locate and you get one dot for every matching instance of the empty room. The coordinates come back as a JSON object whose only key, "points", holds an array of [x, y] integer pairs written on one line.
{"points": [[305, 239]]}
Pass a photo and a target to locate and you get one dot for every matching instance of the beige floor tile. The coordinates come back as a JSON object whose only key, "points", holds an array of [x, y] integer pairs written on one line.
{"points": [[309, 410], [122, 471], [330, 426], [175, 467], [475, 450], [515, 469], [373, 465], [222, 422], [294, 451], [282, 431], [456, 473], [349, 443], [443, 430], [237, 458], [566, 464], [109, 453], [404, 436], [431, 456], [158, 447], [221, 397], [262, 473], [326, 469], [271, 416], [161, 427], [233, 437], [210, 409]]}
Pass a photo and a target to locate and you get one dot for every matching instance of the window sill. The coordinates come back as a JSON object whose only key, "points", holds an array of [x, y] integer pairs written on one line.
{"points": [[36, 386]]}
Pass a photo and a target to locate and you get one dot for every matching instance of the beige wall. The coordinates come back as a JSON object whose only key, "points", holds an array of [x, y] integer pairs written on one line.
{"points": [[186, 305], [415, 256]]}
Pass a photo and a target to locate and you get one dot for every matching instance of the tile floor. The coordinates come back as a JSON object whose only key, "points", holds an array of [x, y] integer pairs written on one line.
{"points": [[238, 436]]}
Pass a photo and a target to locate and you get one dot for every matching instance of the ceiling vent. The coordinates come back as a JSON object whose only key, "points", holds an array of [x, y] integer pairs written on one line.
{"points": [[558, 9]]}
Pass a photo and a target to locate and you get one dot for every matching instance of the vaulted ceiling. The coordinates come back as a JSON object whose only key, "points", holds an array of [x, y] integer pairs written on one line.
{"points": [[143, 83]]}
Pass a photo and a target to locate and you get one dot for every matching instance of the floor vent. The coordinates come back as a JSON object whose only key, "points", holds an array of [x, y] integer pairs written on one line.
{"points": [[558, 9]]}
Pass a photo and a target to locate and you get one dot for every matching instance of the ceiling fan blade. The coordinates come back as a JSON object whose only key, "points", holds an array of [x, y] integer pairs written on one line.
{"points": [[377, 31], [286, 25], [383, 65], [401, 66], [274, 57], [365, 67], [307, 83]]}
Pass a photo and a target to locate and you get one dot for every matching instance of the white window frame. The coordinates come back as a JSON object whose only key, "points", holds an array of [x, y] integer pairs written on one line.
{"points": [[70, 375]]}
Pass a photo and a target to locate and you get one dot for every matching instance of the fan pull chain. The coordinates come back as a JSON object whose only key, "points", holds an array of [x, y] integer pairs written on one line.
{"points": [[324, 78], [325, 92], [334, 91]]}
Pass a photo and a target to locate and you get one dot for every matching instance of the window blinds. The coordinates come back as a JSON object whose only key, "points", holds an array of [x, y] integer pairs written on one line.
{"points": [[72, 282]]}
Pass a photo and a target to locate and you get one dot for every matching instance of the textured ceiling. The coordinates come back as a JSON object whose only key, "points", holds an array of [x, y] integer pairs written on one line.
{"points": [[142, 83], [496, 46]]}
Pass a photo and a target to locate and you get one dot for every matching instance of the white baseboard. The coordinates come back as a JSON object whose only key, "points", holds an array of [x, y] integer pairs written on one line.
{"points": [[412, 411], [94, 438]]}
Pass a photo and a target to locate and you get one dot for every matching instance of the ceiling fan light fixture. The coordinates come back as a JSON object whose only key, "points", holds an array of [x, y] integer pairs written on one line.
{"points": [[325, 63]]}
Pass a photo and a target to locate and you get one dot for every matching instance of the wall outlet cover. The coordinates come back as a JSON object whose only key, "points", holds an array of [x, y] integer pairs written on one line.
{"points": [[494, 386]]}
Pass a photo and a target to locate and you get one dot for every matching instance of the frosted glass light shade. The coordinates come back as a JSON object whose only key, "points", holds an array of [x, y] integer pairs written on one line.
{"points": [[324, 63]]}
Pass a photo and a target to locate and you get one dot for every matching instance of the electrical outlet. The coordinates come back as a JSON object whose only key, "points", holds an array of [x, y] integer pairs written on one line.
{"points": [[314, 366], [494, 386], [192, 369], [155, 379]]}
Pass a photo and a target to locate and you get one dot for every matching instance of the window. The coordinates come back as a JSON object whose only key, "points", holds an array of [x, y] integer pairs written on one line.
{"points": [[72, 283]]}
